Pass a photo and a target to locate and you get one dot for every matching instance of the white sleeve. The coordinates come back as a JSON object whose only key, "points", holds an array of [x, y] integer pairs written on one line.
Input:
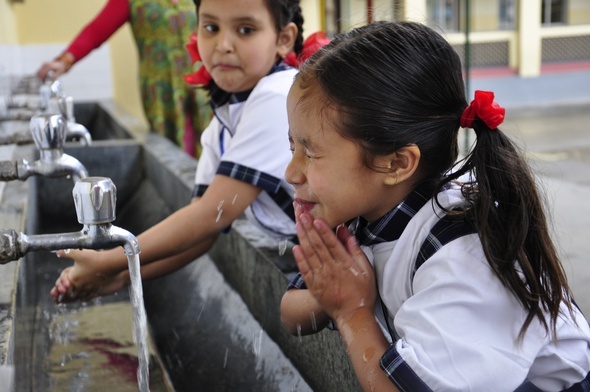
{"points": [[459, 331], [210, 152]]}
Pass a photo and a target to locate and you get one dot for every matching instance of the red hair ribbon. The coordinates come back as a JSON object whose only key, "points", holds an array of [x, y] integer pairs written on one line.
{"points": [[201, 77], [310, 46], [484, 108]]}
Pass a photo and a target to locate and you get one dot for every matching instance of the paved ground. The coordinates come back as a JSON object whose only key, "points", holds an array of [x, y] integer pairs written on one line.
{"points": [[550, 117]]}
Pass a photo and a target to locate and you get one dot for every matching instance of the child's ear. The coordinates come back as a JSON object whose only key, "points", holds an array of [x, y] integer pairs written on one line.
{"points": [[286, 39], [402, 164]]}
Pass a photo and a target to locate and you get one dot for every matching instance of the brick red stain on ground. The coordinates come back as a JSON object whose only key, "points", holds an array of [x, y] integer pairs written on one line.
{"points": [[124, 363]]}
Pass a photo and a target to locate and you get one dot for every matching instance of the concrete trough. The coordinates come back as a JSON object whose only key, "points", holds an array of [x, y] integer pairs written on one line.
{"points": [[214, 325]]}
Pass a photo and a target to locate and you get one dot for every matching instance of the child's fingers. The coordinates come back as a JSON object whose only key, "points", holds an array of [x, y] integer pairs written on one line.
{"points": [[358, 256], [334, 243], [320, 239], [309, 242], [302, 263], [342, 233]]}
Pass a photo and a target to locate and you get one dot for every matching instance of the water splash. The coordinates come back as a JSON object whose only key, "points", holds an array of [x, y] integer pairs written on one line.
{"points": [[314, 324], [225, 358], [258, 343], [283, 246]]}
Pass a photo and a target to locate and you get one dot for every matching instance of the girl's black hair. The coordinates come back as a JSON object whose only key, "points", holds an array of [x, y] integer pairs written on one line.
{"points": [[283, 12], [396, 84]]}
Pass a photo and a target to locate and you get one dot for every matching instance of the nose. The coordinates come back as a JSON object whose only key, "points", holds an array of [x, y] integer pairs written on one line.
{"points": [[293, 173], [224, 42]]}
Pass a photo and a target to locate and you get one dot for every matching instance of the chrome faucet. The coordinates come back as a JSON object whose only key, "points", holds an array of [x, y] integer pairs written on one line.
{"points": [[49, 131], [95, 201], [73, 130]]}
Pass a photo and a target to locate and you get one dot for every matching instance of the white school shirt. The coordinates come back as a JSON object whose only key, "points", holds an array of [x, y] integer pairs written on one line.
{"points": [[255, 146], [456, 326]]}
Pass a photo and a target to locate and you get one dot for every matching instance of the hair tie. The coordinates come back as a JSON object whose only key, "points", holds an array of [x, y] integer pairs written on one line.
{"points": [[484, 108], [310, 46], [201, 77]]}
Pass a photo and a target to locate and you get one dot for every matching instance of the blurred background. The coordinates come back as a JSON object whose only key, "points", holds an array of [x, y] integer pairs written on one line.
{"points": [[494, 37]]}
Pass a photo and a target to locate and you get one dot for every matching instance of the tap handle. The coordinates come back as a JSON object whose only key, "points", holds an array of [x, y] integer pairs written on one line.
{"points": [[50, 90], [9, 246], [49, 131], [8, 170], [66, 108], [95, 199]]}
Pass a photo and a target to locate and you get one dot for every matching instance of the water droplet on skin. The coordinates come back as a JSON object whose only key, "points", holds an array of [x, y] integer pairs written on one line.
{"points": [[362, 303], [66, 251], [354, 271]]}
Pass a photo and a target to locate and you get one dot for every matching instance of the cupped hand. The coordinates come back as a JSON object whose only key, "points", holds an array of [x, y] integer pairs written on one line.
{"points": [[335, 269], [84, 280]]}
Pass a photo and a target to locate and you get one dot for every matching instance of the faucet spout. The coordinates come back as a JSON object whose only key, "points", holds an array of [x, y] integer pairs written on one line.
{"points": [[14, 245], [64, 165], [95, 200], [80, 132], [49, 134]]}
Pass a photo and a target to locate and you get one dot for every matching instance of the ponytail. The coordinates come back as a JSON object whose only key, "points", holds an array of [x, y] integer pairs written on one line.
{"points": [[507, 210]]}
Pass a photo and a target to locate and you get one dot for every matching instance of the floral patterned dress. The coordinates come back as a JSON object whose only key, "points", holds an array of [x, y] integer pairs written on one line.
{"points": [[161, 29]]}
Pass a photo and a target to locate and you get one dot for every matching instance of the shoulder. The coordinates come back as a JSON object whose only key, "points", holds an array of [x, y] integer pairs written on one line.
{"points": [[276, 83]]}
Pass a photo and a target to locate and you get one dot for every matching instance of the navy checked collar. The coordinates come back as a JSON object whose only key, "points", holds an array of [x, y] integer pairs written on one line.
{"points": [[391, 225], [220, 97]]}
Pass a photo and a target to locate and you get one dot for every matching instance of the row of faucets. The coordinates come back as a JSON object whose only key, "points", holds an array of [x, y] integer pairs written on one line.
{"points": [[50, 125], [50, 100]]}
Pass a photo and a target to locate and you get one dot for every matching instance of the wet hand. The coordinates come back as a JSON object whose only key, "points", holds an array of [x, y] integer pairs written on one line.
{"points": [[84, 280], [335, 269]]}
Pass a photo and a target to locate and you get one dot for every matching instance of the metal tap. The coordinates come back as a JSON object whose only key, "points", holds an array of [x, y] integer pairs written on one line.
{"points": [[95, 201], [48, 132], [73, 130]]}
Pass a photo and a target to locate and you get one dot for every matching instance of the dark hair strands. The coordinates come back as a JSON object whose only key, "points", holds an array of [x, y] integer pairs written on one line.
{"points": [[396, 84]]}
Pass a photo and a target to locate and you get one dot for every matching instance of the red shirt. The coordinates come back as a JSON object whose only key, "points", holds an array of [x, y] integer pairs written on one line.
{"points": [[114, 14]]}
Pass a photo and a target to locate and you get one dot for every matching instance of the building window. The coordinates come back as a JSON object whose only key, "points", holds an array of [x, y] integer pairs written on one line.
{"points": [[553, 12], [507, 16], [444, 14]]}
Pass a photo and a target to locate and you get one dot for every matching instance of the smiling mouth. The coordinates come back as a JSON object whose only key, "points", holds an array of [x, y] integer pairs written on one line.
{"points": [[302, 206]]}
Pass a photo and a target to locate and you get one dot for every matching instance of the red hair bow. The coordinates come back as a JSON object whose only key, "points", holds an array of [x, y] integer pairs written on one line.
{"points": [[484, 108], [201, 77], [310, 46]]}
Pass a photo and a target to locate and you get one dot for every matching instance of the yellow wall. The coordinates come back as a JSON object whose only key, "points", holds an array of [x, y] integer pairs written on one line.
{"points": [[41, 21], [7, 23]]}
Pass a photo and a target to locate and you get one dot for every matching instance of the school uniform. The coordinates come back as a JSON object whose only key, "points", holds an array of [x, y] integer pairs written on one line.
{"points": [[248, 140], [452, 325]]}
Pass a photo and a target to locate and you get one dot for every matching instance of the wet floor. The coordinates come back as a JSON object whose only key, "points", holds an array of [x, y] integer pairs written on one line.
{"points": [[557, 142]]}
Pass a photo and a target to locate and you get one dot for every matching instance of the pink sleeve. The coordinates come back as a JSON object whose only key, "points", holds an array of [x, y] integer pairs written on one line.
{"points": [[114, 14]]}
